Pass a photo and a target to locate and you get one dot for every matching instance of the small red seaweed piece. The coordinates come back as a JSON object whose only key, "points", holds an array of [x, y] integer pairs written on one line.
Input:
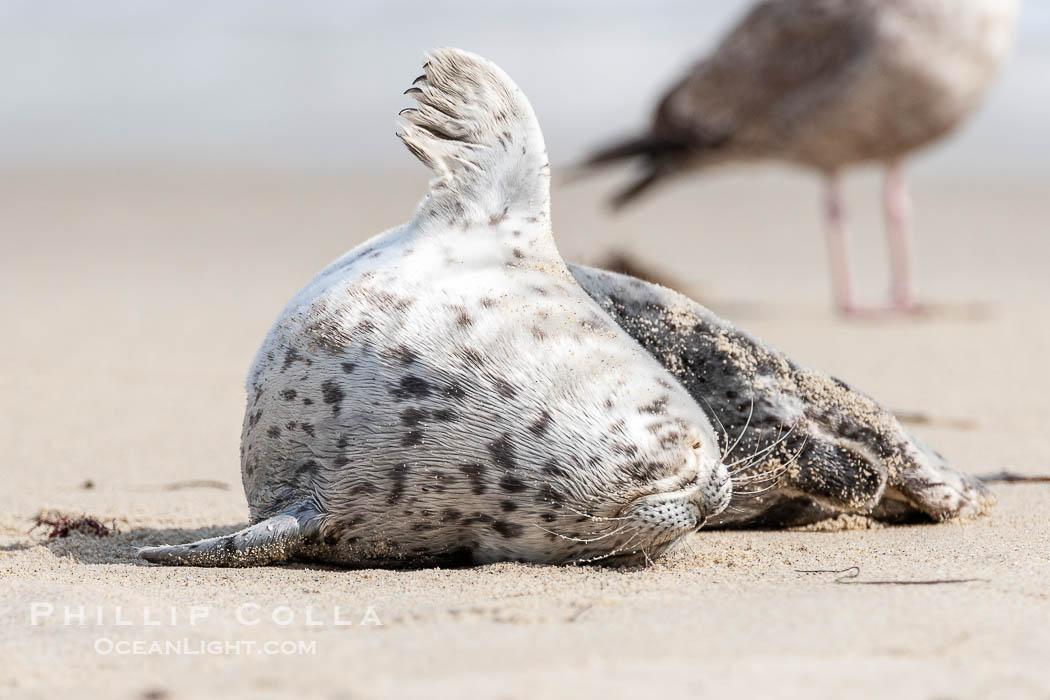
{"points": [[64, 525]]}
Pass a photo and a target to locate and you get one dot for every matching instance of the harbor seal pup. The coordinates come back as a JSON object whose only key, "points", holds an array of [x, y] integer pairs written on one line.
{"points": [[803, 446], [446, 389]]}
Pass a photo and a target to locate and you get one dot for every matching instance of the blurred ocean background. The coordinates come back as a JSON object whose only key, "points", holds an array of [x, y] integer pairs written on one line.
{"points": [[315, 86]]}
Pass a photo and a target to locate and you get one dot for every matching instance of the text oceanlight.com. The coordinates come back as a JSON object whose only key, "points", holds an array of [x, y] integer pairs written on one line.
{"points": [[196, 647], [117, 623]]}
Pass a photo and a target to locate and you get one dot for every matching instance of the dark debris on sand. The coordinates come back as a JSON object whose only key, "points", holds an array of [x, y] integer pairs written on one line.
{"points": [[62, 525]]}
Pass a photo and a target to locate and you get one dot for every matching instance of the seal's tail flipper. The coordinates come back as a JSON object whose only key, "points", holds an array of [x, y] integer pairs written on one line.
{"points": [[475, 128], [275, 539]]}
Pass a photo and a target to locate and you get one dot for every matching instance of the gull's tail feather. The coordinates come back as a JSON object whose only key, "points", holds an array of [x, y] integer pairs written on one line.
{"points": [[660, 155], [474, 127], [652, 147], [636, 188]]}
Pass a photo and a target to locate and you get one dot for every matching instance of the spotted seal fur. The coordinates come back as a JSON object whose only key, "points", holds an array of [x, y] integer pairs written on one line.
{"points": [[804, 445], [446, 389]]}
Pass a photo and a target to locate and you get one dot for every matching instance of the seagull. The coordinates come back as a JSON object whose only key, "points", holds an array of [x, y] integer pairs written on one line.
{"points": [[828, 84]]}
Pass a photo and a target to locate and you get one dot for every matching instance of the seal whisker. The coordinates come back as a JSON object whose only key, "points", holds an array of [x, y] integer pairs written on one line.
{"points": [[746, 426], [774, 473], [762, 452], [778, 468], [744, 461], [596, 518], [770, 477], [581, 539], [619, 550], [725, 432], [774, 485], [756, 492], [760, 476]]}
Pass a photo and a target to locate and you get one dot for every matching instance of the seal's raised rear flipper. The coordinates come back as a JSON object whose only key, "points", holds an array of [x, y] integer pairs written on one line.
{"points": [[475, 128], [275, 539]]}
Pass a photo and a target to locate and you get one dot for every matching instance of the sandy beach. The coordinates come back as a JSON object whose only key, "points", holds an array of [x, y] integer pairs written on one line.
{"points": [[133, 302]]}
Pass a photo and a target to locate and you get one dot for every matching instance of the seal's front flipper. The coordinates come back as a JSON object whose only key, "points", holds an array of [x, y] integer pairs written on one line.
{"points": [[866, 464], [275, 539], [813, 475], [926, 484]]}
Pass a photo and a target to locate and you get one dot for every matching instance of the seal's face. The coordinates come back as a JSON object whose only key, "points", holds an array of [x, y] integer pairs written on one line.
{"points": [[641, 505], [683, 503]]}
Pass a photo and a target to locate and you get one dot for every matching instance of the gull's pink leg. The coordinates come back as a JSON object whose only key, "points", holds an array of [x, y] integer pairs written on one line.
{"points": [[838, 245], [898, 230]]}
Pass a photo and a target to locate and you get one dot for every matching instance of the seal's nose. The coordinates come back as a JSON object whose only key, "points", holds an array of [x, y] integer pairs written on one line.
{"points": [[725, 495], [714, 487], [677, 506], [721, 491], [668, 516]]}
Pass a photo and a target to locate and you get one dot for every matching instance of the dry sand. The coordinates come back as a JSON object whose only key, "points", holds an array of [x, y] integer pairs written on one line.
{"points": [[132, 305]]}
